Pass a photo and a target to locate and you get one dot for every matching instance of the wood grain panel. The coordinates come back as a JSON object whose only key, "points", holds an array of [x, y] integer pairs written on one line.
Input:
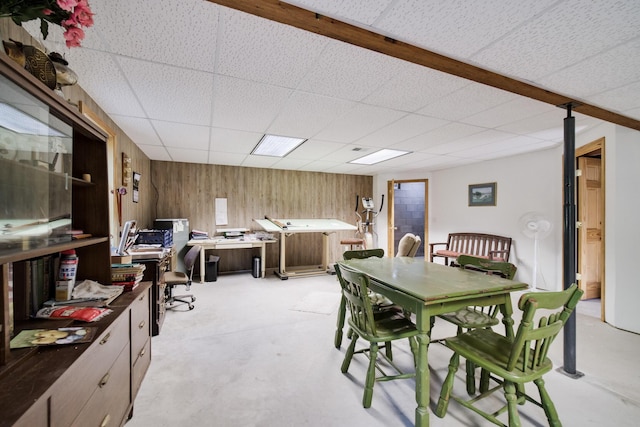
{"points": [[188, 190]]}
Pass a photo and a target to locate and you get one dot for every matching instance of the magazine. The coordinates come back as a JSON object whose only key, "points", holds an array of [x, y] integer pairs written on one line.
{"points": [[58, 336]]}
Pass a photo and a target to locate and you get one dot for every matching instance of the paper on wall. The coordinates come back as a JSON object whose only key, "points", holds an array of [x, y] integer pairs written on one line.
{"points": [[221, 211]]}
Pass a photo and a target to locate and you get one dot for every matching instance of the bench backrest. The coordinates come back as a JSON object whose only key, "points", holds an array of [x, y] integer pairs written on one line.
{"points": [[479, 244]]}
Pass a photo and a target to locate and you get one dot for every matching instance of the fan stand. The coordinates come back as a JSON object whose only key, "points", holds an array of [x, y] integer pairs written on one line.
{"points": [[535, 262]]}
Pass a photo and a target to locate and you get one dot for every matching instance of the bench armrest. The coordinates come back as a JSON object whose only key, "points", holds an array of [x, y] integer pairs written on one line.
{"points": [[431, 245]]}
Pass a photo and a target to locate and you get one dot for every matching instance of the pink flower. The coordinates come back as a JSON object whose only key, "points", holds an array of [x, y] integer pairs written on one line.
{"points": [[83, 15], [67, 5], [47, 12], [73, 36]]}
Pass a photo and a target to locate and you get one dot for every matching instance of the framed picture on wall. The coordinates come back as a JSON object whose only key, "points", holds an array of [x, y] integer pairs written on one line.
{"points": [[482, 194]]}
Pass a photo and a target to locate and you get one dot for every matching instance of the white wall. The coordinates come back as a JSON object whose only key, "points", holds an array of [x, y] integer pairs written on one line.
{"points": [[526, 183], [533, 182], [622, 178]]}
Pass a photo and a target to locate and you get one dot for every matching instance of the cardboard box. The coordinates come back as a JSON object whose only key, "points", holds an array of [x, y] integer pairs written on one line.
{"points": [[120, 259]]}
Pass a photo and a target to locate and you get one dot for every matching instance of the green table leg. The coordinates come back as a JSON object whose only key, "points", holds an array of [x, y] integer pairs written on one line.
{"points": [[422, 370]]}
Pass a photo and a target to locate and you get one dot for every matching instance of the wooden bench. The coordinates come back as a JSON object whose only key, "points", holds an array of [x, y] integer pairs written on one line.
{"points": [[487, 246]]}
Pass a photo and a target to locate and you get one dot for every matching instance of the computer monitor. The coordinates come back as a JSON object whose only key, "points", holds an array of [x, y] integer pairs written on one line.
{"points": [[128, 237]]}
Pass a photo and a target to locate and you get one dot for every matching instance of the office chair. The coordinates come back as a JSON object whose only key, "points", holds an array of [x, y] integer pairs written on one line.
{"points": [[175, 278]]}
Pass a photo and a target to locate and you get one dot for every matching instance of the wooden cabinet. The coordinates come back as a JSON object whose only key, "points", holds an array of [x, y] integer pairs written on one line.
{"points": [[43, 196]]}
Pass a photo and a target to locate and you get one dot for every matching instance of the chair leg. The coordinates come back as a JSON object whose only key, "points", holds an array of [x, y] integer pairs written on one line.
{"points": [[447, 386], [340, 325], [512, 404], [484, 380], [547, 404], [371, 376], [349, 354], [471, 377]]}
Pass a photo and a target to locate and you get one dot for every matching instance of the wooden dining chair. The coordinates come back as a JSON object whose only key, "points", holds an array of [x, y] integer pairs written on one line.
{"points": [[477, 316], [513, 362], [363, 323], [381, 304]]}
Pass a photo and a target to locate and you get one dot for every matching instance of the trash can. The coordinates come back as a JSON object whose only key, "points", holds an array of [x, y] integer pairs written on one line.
{"points": [[256, 270], [211, 269]]}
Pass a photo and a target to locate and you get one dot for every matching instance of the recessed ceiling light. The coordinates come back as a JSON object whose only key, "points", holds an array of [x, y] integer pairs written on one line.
{"points": [[276, 146], [379, 156]]}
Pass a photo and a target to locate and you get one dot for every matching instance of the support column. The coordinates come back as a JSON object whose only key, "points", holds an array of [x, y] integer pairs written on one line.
{"points": [[569, 238]]}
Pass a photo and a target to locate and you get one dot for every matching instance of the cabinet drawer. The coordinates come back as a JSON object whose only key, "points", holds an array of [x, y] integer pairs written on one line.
{"points": [[109, 402], [73, 389], [141, 362], [36, 416], [140, 321]]}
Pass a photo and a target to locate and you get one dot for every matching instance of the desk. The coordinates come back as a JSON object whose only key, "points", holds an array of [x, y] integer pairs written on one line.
{"points": [[429, 289], [224, 243], [288, 227]]}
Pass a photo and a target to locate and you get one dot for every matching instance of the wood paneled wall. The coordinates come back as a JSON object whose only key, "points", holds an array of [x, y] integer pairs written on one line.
{"points": [[186, 190]]}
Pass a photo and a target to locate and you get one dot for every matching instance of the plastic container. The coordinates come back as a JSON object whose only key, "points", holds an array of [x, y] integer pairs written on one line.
{"points": [[211, 272], [256, 270]]}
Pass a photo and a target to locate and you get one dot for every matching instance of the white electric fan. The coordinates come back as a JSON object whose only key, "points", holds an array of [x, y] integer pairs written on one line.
{"points": [[535, 226]]}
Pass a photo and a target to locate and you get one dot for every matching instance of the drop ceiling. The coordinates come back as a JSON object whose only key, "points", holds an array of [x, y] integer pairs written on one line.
{"points": [[193, 81]]}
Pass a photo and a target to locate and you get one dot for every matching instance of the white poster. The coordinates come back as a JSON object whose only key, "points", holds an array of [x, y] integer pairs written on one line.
{"points": [[221, 212]]}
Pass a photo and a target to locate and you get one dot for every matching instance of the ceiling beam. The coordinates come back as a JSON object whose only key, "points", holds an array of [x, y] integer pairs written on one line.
{"points": [[304, 19]]}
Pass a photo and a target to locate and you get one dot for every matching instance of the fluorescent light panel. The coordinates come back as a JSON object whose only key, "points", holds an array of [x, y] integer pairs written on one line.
{"points": [[379, 156], [276, 146]]}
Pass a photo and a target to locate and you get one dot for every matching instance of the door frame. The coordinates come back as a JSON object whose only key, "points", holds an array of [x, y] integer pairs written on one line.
{"points": [[596, 146], [391, 213]]}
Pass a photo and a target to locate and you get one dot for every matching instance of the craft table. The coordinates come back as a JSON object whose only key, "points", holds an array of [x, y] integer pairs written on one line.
{"points": [[221, 243], [429, 289], [288, 227]]}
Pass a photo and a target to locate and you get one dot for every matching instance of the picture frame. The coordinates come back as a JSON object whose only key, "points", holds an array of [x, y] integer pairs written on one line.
{"points": [[484, 194]]}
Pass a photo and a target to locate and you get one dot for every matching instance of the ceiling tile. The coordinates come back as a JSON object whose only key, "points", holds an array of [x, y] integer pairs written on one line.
{"points": [[305, 115], [359, 122], [563, 35], [475, 140], [225, 158], [405, 128], [333, 74], [259, 161], [182, 135], [413, 87], [177, 32], [364, 12], [138, 129], [156, 152], [246, 105], [181, 98], [608, 70], [233, 141], [456, 26], [471, 99], [314, 149], [441, 135], [621, 99], [260, 50], [187, 155], [518, 109]]}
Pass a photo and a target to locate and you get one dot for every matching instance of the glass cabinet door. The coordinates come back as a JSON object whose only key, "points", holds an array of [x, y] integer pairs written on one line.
{"points": [[35, 173]]}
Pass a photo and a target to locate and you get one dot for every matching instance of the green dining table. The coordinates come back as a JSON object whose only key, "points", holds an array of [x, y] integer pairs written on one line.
{"points": [[428, 289]]}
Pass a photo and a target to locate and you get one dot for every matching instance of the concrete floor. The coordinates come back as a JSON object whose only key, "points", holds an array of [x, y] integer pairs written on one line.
{"points": [[259, 352]]}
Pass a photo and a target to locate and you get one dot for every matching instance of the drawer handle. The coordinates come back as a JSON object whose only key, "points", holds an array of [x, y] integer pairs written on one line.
{"points": [[141, 325], [105, 421], [105, 339], [141, 297], [142, 352], [104, 380]]}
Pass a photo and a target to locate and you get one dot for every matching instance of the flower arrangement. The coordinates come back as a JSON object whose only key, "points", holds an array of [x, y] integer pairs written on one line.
{"points": [[71, 15]]}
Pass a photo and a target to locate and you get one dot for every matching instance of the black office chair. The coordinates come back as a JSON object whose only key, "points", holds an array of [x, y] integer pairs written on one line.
{"points": [[175, 278]]}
